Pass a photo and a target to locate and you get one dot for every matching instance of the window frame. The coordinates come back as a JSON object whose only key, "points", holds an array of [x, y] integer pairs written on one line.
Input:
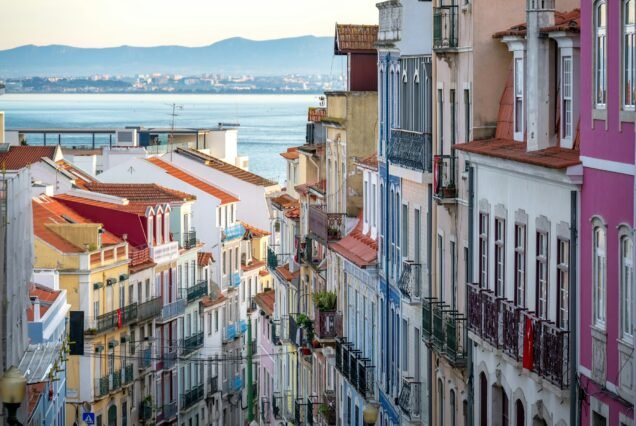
{"points": [[567, 101], [600, 41], [626, 277], [483, 249], [521, 264], [500, 257], [599, 265], [628, 31], [519, 98], [542, 274], [563, 283]]}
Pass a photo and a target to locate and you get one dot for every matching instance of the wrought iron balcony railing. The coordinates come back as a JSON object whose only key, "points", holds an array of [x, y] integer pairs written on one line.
{"points": [[327, 410], [145, 358], [101, 386], [409, 398], [427, 318], [444, 184], [213, 385], [412, 150], [189, 239], [328, 324], [445, 330], [168, 360], [173, 310], [410, 281], [145, 411], [113, 319], [169, 411], [191, 397], [326, 226], [149, 309], [277, 405], [445, 28], [506, 327], [192, 343], [272, 260], [358, 370], [196, 291], [128, 374]]}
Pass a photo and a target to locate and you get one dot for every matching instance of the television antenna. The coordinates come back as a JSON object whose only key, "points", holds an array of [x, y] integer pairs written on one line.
{"points": [[173, 114]]}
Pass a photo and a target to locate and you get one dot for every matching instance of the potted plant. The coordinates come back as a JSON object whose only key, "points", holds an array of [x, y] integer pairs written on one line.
{"points": [[325, 301]]}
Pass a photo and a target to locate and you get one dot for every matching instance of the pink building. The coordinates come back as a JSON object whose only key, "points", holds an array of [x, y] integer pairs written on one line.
{"points": [[606, 366], [265, 350]]}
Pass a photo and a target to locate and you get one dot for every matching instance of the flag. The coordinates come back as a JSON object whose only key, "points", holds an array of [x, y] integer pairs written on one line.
{"points": [[528, 343], [119, 319], [435, 169]]}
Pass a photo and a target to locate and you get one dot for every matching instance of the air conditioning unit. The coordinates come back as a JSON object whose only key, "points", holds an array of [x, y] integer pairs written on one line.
{"points": [[126, 137]]}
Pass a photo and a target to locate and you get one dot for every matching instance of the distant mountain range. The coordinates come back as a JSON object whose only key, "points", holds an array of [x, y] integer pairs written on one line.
{"points": [[301, 55]]}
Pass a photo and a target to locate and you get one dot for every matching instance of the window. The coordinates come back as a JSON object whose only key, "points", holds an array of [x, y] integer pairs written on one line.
{"points": [[440, 265], [504, 409], [405, 345], [466, 115], [453, 274], [452, 407], [440, 119], [518, 97], [405, 229], [440, 407], [216, 321], [500, 257], [629, 51], [158, 231], [366, 201], [209, 323], [542, 274], [483, 250], [600, 46], [520, 265], [373, 205], [563, 277], [453, 116], [627, 274], [598, 419], [566, 89], [599, 263]]}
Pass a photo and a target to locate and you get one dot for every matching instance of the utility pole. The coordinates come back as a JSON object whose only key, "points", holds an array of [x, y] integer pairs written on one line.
{"points": [[175, 108], [250, 385]]}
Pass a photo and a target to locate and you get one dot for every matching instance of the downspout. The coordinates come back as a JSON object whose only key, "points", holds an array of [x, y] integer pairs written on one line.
{"points": [[386, 229], [429, 244], [471, 242], [573, 308]]}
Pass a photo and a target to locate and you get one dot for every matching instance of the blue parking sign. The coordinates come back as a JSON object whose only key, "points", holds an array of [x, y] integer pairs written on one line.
{"points": [[88, 418]]}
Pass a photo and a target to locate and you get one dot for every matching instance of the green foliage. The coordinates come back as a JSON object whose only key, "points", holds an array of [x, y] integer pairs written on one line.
{"points": [[325, 301]]}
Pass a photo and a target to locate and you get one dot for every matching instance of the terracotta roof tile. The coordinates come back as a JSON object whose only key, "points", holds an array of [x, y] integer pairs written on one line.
{"points": [[207, 301], [34, 393], [254, 231], [222, 196], [293, 213], [284, 272], [563, 21], [253, 265], [204, 258], [285, 202], [140, 192], [18, 157], [370, 162], [227, 168], [357, 247], [46, 297], [135, 208], [315, 114], [320, 186], [265, 301], [263, 273], [355, 38], [290, 154], [81, 177]]}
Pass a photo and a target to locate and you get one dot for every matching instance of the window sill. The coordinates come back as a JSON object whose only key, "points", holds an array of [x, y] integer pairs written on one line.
{"points": [[599, 333], [628, 116], [599, 114]]}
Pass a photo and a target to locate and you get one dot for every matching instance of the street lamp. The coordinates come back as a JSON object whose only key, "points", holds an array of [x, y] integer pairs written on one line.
{"points": [[12, 391], [370, 414]]}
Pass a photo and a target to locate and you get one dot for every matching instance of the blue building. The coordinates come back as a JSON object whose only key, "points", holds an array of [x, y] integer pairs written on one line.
{"points": [[44, 362]]}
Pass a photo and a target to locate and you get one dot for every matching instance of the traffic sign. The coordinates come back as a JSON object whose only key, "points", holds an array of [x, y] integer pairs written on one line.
{"points": [[88, 418]]}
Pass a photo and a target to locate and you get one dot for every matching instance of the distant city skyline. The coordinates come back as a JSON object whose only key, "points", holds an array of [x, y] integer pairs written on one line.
{"points": [[101, 23]]}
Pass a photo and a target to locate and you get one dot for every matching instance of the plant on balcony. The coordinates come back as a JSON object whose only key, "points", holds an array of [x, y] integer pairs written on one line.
{"points": [[305, 323], [91, 331], [325, 301], [333, 231]]}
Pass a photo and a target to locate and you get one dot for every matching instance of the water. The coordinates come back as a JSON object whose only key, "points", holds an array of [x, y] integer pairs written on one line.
{"points": [[269, 124]]}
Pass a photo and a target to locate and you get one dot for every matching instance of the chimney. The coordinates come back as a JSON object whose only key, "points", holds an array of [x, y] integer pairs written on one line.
{"points": [[36, 308], [540, 96]]}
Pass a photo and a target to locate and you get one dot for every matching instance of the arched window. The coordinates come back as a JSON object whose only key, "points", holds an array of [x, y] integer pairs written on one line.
{"points": [[629, 51], [452, 407], [599, 263], [626, 277], [521, 414], [440, 408], [483, 400], [600, 57]]}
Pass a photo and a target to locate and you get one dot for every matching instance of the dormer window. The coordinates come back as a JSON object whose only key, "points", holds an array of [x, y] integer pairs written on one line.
{"points": [[519, 124], [151, 230], [629, 63], [158, 231], [166, 226], [600, 46]]}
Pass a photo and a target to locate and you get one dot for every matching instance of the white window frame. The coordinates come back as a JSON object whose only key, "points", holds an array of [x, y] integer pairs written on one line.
{"points": [[626, 271], [563, 284], [483, 245], [521, 236], [629, 57], [500, 257], [519, 101], [542, 274], [567, 101], [599, 276], [600, 64]]}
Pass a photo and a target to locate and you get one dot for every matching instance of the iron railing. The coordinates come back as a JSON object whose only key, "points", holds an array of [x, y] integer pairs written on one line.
{"points": [[410, 282], [189, 239], [145, 411], [192, 343], [327, 410], [427, 318], [149, 309], [145, 358], [445, 28], [444, 187], [191, 397], [409, 398], [173, 310], [412, 150], [196, 291], [277, 405], [213, 385], [128, 374], [168, 360], [326, 226], [169, 410], [101, 386], [328, 324], [113, 319], [359, 371]]}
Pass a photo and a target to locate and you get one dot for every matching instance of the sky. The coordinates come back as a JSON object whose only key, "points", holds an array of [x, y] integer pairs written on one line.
{"points": [[105, 23]]}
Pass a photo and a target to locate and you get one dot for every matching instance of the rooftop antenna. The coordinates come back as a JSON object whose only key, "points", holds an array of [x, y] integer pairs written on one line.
{"points": [[175, 108]]}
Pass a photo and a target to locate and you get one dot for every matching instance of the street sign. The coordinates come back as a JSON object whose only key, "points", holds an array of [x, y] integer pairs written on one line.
{"points": [[88, 418]]}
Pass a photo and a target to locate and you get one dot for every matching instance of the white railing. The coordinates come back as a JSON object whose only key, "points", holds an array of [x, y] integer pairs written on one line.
{"points": [[165, 252]]}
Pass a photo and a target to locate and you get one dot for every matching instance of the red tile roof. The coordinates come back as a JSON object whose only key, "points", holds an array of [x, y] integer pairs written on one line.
{"points": [[34, 393], [370, 162], [315, 114], [284, 272], [222, 196], [285, 202], [563, 22], [355, 38], [290, 154], [46, 297], [136, 208], [254, 231], [204, 258], [320, 186], [81, 177], [227, 168], [265, 301], [293, 213], [140, 192], [253, 265], [207, 301], [263, 273], [357, 247], [18, 157]]}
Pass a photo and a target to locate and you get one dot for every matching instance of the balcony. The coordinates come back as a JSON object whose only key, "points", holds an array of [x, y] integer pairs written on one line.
{"points": [[265, 404], [168, 360], [410, 281], [326, 226], [300, 412], [444, 329], [173, 310], [197, 291], [445, 29], [232, 331], [101, 387], [275, 332], [233, 281], [299, 330], [409, 399], [189, 239], [549, 354], [390, 22], [113, 320], [191, 397], [328, 325], [277, 405], [165, 253], [145, 411], [168, 411], [272, 260], [108, 383], [128, 374], [444, 186], [327, 410], [232, 232], [145, 358], [192, 343], [411, 150], [149, 309], [213, 385], [357, 370]]}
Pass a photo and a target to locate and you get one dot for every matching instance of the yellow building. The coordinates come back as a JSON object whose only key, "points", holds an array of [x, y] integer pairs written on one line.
{"points": [[93, 269]]}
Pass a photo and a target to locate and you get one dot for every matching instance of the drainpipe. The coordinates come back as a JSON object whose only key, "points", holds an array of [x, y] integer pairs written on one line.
{"points": [[250, 389], [471, 242], [429, 244], [386, 229], [572, 320]]}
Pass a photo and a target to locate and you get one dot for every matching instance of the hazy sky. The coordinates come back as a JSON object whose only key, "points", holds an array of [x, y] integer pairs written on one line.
{"points": [[100, 23]]}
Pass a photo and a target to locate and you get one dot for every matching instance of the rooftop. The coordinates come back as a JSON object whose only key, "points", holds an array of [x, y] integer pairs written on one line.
{"points": [[563, 22], [18, 157], [357, 247], [254, 231], [204, 258], [45, 296], [227, 168], [355, 38], [285, 202], [290, 154], [255, 264], [81, 177], [286, 274], [316, 114], [222, 196], [265, 301], [140, 192], [370, 162]]}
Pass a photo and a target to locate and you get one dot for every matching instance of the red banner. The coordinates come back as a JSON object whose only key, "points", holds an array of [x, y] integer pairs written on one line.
{"points": [[528, 343], [436, 160], [120, 322]]}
